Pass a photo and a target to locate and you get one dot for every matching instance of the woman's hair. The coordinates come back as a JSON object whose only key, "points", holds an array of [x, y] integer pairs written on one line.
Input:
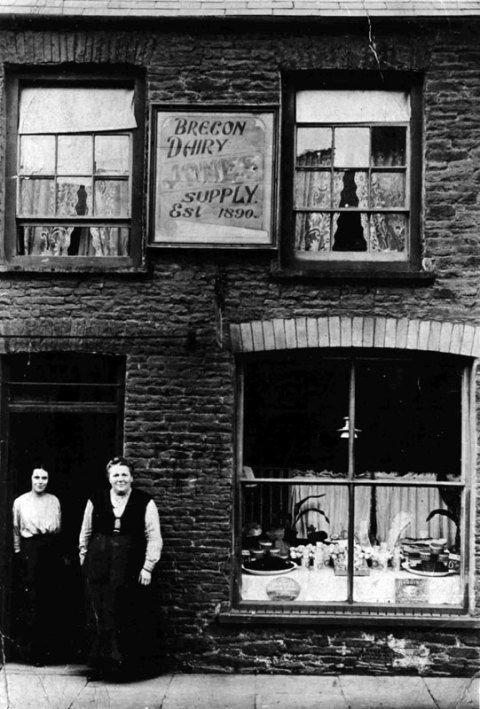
{"points": [[119, 460]]}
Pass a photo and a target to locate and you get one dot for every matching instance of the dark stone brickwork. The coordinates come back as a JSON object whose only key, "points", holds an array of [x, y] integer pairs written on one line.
{"points": [[179, 413]]}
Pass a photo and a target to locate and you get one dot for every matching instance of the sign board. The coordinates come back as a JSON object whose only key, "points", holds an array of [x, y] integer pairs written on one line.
{"points": [[213, 177], [411, 591]]}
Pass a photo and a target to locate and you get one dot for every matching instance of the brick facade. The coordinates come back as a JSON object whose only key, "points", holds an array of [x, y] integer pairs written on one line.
{"points": [[179, 409]]}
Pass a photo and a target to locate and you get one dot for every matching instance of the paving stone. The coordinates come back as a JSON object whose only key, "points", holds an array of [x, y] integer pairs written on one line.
{"points": [[211, 692], [299, 692], [454, 693], [386, 692]]}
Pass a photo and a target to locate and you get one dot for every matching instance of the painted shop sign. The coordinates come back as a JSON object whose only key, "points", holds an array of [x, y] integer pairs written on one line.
{"points": [[213, 177]]}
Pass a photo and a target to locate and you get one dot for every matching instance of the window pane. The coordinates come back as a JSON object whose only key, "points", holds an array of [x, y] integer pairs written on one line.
{"points": [[37, 155], [409, 415], [293, 413], [55, 240], [350, 232], [74, 154], [312, 232], [388, 189], [388, 145], [112, 154], [314, 146], [312, 189], [336, 106], [352, 147], [284, 554], [413, 557], [37, 197], [388, 232], [350, 189], [74, 196], [112, 198]]}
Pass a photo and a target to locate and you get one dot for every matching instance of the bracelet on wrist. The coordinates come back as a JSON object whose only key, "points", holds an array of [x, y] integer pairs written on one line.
{"points": [[147, 570]]}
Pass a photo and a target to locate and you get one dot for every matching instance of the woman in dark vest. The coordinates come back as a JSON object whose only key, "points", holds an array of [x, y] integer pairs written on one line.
{"points": [[120, 543]]}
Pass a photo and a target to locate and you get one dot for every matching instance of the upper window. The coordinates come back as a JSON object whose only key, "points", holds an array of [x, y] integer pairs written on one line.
{"points": [[353, 196], [75, 148]]}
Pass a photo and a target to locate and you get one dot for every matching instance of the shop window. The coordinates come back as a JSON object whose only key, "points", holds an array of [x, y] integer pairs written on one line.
{"points": [[353, 156], [354, 484], [73, 159]]}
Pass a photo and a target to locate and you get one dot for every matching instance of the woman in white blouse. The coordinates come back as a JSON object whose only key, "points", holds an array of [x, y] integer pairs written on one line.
{"points": [[37, 522]]}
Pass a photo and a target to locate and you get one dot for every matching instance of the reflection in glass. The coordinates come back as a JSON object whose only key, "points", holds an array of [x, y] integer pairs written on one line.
{"points": [[352, 147], [314, 146], [388, 145], [350, 189], [74, 196], [388, 232], [312, 231], [37, 155], [414, 554], [350, 231], [388, 189], [312, 188], [74, 154], [111, 198], [37, 197], [112, 154]]}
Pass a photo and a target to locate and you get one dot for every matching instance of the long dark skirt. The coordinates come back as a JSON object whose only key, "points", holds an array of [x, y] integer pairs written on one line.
{"points": [[38, 601], [117, 602]]}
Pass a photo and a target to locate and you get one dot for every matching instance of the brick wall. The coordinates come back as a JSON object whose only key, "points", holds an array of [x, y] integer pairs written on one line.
{"points": [[179, 389]]}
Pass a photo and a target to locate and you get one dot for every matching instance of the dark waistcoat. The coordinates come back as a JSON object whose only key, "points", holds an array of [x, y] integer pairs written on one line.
{"points": [[132, 519]]}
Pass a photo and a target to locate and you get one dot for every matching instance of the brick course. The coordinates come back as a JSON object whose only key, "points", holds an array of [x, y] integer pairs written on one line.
{"points": [[179, 409]]}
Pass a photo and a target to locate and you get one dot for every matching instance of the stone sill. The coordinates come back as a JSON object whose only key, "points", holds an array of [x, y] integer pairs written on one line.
{"points": [[366, 274], [244, 617]]}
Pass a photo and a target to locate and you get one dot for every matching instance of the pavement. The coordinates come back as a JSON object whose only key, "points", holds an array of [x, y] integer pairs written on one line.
{"points": [[69, 687]]}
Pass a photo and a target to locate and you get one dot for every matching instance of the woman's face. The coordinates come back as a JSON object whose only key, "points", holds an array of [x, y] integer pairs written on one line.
{"points": [[39, 480], [120, 479]]}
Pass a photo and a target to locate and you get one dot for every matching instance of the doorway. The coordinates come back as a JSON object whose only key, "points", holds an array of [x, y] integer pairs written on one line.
{"points": [[64, 412]]}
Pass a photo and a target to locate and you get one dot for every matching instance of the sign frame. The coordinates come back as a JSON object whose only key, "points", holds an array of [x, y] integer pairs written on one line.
{"points": [[192, 235]]}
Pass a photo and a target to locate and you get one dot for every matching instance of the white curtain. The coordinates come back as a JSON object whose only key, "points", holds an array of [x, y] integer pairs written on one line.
{"points": [[334, 505]]}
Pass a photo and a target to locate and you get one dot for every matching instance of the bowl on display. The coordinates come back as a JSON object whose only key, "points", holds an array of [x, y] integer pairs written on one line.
{"points": [[283, 589]]}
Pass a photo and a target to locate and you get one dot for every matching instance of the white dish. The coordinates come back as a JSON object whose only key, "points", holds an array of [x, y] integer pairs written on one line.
{"points": [[433, 574], [276, 572]]}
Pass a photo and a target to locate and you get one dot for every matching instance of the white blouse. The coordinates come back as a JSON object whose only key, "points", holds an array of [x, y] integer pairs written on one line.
{"points": [[35, 514]]}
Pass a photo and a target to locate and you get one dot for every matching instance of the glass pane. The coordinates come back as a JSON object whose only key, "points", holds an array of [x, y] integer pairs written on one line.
{"points": [[350, 189], [409, 415], [74, 154], [312, 189], [74, 196], [335, 106], [293, 413], [286, 554], [314, 146], [37, 197], [388, 232], [53, 240], [352, 147], [37, 155], [412, 548], [389, 145], [350, 231], [112, 154], [112, 198], [388, 189], [312, 232]]}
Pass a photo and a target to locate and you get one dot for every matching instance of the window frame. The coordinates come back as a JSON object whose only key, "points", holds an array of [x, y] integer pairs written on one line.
{"points": [[68, 77], [343, 81], [342, 611]]}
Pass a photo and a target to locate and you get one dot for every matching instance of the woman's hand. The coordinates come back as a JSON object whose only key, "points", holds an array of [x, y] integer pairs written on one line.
{"points": [[145, 577]]}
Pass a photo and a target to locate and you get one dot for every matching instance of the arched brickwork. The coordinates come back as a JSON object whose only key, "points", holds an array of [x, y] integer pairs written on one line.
{"points": [[344, 331]]}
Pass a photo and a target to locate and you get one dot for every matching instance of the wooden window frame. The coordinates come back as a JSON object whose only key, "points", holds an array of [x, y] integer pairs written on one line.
{"points": [[68, 77], [340, 265], [374, 612]]}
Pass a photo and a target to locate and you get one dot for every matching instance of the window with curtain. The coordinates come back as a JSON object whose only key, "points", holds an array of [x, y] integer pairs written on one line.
{"points": [[353, 158], [73, 164], [354, 483]]}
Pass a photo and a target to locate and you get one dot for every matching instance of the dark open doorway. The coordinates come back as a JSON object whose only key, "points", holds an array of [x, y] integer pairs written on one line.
{"points": [[63, 412]]}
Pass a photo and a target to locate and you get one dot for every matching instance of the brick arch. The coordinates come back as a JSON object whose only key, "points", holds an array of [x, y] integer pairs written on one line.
{"points": [[344, 331]]}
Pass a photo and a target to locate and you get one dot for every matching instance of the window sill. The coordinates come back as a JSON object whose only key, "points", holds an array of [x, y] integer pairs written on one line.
{"points": [[283, 617], [60, 266], [364, 274]]}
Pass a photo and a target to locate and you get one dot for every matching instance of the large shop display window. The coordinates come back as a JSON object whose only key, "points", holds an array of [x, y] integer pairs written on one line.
{"points": [[354, 483], [73, 153], [354, 152]]}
